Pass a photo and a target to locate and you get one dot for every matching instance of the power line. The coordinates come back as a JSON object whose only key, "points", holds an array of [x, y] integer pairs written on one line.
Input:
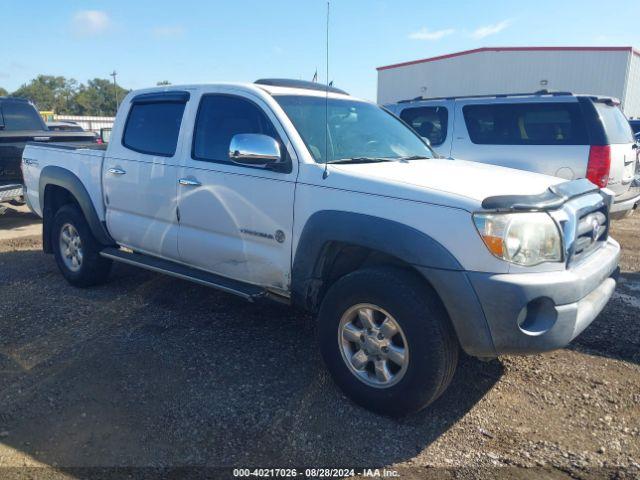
{"points": [[115, 88]]}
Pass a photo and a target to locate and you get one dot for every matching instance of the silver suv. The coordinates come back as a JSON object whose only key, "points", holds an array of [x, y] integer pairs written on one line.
{"points": [[556, 133]]}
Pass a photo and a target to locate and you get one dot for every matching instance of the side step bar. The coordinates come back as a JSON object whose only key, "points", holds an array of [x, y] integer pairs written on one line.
{"points": [[244, 290]]}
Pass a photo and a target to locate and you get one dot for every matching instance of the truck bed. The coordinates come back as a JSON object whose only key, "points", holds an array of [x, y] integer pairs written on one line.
{"points": [[83, 160]]}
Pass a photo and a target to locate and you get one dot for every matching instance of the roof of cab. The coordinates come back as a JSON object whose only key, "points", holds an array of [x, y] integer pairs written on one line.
{"points": [[293, 88]]}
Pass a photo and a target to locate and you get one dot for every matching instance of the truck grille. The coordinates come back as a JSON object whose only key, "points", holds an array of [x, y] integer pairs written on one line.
{"points": [[591, 233]]}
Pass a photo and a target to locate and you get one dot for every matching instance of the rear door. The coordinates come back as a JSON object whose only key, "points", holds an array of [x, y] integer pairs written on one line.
{"points": [[140, 175], [547, 137], [619, 136]]}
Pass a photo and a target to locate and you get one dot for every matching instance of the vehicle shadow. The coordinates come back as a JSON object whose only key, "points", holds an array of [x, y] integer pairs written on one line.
{"points": [[16, 219], [616, 332], [152, 371]]}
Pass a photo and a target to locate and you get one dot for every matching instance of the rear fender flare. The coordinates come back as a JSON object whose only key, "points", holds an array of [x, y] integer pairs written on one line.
{"points": [[61, 177]]}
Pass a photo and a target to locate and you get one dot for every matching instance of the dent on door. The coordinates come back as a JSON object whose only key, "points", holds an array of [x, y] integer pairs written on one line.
{"points": [[237, 226]]}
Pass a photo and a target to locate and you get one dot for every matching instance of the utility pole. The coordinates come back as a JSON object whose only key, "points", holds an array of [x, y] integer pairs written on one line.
{"points": [[115, 88]]}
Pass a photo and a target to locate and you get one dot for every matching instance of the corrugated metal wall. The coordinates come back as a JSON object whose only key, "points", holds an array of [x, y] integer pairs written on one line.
{"points": [[632, 97], [489, 72]]}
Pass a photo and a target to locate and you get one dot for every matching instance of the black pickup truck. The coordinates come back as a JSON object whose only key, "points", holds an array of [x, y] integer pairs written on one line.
{"points": [[20, 123]]}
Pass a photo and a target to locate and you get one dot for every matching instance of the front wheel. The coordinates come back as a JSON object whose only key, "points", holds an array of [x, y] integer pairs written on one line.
{"points": [[76, 250], [387, 340]]}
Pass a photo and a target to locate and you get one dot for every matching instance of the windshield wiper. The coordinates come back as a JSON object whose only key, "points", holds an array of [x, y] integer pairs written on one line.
{"points": [[414, 157], [361, 160]]}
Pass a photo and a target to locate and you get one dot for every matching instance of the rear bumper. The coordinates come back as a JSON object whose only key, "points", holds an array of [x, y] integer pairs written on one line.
{"points": [[10, 192], [627, 201]]}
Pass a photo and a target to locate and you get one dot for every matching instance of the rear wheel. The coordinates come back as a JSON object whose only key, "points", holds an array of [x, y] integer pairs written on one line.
{"points": [[76, 250], [386, 339]]}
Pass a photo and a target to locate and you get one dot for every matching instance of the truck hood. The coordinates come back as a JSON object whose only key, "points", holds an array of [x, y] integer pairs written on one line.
{"points": [[456, 183]]}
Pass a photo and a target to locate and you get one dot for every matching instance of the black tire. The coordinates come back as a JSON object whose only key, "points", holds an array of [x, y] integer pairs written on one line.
{"points": [[432, 344], [93, 269]]}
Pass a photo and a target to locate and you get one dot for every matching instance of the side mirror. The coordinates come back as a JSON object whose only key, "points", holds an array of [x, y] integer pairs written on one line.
{"points": [[254, 149]]}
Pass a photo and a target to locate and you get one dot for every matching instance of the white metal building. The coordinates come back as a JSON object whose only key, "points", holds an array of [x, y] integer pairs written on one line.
{"points": [[93, 124], [611, 71]]}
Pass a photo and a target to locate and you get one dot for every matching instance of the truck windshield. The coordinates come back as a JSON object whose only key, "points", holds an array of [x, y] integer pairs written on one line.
{"points": [[354, 130], [20, 116]]}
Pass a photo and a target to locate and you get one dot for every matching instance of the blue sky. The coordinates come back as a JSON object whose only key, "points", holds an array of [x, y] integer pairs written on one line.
{"points": [[192, 42]]}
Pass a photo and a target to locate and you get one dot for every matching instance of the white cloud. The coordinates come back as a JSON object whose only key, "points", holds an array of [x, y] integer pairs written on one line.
{"points": [[90, 22], [488, 30], [168, 31], [426, 34]]}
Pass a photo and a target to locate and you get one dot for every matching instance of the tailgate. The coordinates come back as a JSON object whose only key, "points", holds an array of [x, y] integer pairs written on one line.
{"points": [[623, 168], [619, 136]]}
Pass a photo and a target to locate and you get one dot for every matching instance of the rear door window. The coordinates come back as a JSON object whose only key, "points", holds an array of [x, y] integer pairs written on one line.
{"points": [[616, 126], [153, 128], [526, 124], [428, 122]]}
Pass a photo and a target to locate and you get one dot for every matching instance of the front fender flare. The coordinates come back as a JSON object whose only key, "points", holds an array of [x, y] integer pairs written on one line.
{"points": [[378, 234], [426, 255]]}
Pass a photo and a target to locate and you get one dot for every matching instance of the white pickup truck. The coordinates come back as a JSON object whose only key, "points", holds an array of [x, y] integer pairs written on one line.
{"points": [[290, 191]]}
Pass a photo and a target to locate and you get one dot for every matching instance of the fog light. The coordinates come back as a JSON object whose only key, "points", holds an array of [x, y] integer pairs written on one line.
{"points": [[537, 316]]}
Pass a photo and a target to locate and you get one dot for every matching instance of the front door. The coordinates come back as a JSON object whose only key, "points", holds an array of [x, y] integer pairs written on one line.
{"points": [[235, 220]]}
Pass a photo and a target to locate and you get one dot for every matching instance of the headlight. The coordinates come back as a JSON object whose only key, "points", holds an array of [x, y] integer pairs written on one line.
{"points": [[526, 239]]}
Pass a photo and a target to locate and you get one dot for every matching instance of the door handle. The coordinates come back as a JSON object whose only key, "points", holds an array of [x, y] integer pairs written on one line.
{"points": [[116, 171], [187, 182]]}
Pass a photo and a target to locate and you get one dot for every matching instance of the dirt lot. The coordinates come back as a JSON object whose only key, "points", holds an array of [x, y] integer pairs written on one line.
{"points": [[149, 371]]}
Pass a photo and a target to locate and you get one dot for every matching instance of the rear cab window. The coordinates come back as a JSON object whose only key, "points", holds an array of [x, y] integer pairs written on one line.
{"points": [[153, 126], [540, 123], [429, 122], [15, 115]]}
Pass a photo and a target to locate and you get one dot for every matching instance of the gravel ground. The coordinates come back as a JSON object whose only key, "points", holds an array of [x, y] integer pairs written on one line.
{"points": [[150, 371]]}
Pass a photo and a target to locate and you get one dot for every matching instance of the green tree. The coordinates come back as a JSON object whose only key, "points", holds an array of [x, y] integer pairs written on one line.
{"points": [[49, 93], [98, 97], [3, 92]]}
